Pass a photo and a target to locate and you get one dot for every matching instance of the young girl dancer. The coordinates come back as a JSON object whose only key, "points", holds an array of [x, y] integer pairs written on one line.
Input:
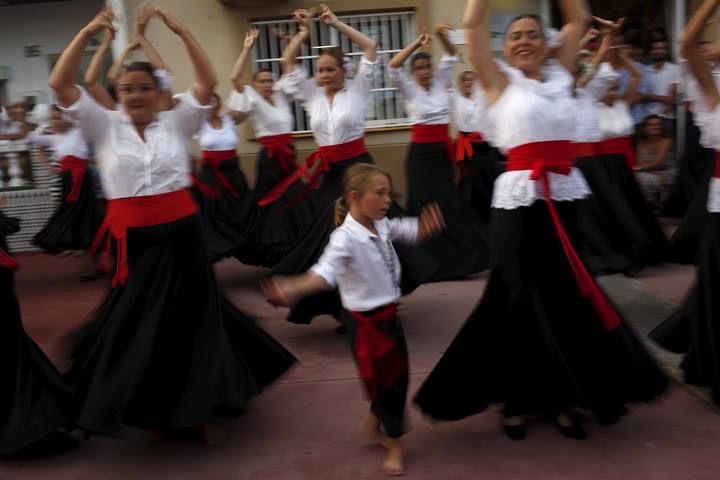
{"points": [[360, 261], [165, 349], [693, 329], [462, 248], [544, 339]]}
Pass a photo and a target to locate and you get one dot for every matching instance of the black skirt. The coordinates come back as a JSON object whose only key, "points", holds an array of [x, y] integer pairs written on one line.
{"points": [[33, 397], [73, 225], [534, 343], [477, 177], [167, 349], [694, 329], [619, 229], [462, 249], [272, 230], [685, 241]]}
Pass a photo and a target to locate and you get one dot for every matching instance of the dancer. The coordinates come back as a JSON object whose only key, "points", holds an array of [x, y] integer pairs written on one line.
{"points": [[165, 349], [544, 338], [693, 328], [337, 117], [271, 230], [360, 261], [462, 248]]}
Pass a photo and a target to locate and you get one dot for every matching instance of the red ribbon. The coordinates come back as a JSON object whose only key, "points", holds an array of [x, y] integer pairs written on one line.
{"points": [[437, 133], [380, 359], [620, 145], [145, 211], [214, 158], [717, 164], [586, 149], [556, 157], [204, 188], [323, 158], [280, 148], [7, 261], [78, 169], [464, 145]]}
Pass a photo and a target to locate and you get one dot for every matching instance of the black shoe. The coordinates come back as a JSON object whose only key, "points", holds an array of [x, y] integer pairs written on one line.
{"points": [[341, 330], [92, 276], [515, 432], [574, 431]]}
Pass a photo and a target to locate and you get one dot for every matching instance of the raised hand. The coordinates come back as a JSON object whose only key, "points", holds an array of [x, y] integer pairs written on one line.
{"points": [[431, 222], [424, 38], [443, 28], [613, 27], [303, 16], [251, 38], [172, 23], [327, 16], [143, 14], [103, 20], [277, 291]]}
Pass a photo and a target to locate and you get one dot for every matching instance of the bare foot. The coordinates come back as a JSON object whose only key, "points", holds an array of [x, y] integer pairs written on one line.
{"points": [[393, 464], [370, 428], [209, 435]]}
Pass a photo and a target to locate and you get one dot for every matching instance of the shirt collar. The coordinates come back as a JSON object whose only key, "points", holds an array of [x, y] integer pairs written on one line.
{"points": [[359, 231], [125, 118]]}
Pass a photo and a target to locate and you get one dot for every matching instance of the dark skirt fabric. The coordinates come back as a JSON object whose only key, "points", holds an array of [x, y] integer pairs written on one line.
{"points": [[33, 397], [218, 211], [477, 177], [534, 343], [73, 225], [686, 239], [462, 249], [619, 229], [167, 349], [417, 266], [272, 230], [694, 329], [389, 404]]}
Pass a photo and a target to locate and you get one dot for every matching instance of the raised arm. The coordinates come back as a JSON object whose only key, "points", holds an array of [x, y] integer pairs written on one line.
{"points": [[239, 67], [441, 32], [62, 78], [292, 51], [576, 23], [401, 57], [475, 21], [635, 75], [366, 44], [697, 65], [600, 56], [204, 74], [94, 72]]}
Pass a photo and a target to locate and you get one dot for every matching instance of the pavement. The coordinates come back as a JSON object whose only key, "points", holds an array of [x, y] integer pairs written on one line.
{"points": [[306, 425]]}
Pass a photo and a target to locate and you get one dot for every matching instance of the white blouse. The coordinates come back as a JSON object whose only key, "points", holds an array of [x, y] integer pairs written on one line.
{"points": [[615, 120], [426, 107], [586, 98], [343, 119], [364, 266], [130, 166], [712, 127], [701, 114], [72, 142], [531, 111], [267, 118], [468, 113], [214, 139]]}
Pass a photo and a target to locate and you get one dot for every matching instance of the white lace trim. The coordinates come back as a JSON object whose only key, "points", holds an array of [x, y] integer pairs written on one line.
{"points": [[713, 204], [515, 189]]}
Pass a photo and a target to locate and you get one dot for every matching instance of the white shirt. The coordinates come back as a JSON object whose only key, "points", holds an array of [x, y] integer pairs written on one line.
{"points": [[426, 107], [468, 113], [660, 82], [214, 139], [615, 120], [71, 142], [267, 118], [701, 114], [131, 167], [364, 266], [531, 111], [342, 121], [713, 137], [586, 116]]}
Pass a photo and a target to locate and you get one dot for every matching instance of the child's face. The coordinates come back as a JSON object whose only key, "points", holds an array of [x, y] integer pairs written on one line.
{"points": [[375, 201]]}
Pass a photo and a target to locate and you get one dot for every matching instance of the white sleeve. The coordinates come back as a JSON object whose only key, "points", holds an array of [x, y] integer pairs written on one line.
{"points": [[242, 102], [444, 71], [404, 230], [92, 118], [298, 85], [600, 83], [362, 84], [189, 115], [38, 138], [400, 79], [336, 253]]}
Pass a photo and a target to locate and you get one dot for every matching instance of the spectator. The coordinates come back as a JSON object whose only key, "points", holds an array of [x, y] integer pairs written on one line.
{"points": [[636, 102], [655, 169], [663, 80]]}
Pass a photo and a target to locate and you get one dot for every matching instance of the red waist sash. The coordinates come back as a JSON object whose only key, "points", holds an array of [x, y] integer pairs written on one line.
{"points": [[717, 164], [78, 169], [438, 133], [213, 158], [280, 148], [619, 145], [7, 261], [586, 149], [464, 145], [380, 360], [557, 157], [323, 158], [124, 213]]}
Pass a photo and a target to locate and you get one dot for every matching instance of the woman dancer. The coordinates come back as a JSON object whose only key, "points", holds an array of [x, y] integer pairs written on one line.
{"points": [[271, 230], [360, 261], [693, 329], [462, 248], [544, 339], [165, 349]]}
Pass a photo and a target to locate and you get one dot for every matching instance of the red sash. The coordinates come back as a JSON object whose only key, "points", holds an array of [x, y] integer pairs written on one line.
{"points": [[7, 261], [380, 360], [323, 158], [124, 213], [464, 145], [557, 157], [78, 169], [214, 158], [438, 133], [619, 145], [717, 163], [586, 149], [204, 188], [280, 148]]}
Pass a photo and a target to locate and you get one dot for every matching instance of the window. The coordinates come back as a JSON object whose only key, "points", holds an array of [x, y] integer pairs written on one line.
{"points": [[392, 31]]}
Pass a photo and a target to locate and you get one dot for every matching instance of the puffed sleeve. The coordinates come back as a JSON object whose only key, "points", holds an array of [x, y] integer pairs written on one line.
{"points": [[335, 255]]}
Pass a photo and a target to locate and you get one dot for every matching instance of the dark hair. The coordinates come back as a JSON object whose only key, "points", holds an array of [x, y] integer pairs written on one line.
{"points": [[643, 134], [336, 53], [262, 70], [524, 16], [420, 56], [145, 67]]}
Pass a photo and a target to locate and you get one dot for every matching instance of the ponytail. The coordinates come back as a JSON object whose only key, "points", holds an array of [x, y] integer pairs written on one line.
{"points": [[341, 211]]}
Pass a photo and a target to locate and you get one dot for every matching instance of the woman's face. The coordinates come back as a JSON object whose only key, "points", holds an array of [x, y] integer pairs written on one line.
{"points": [[139, 95], [524, 45], [57, 122], [654, 127], [264, 83], [422, 71], [468, 79], [330, 74]]}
